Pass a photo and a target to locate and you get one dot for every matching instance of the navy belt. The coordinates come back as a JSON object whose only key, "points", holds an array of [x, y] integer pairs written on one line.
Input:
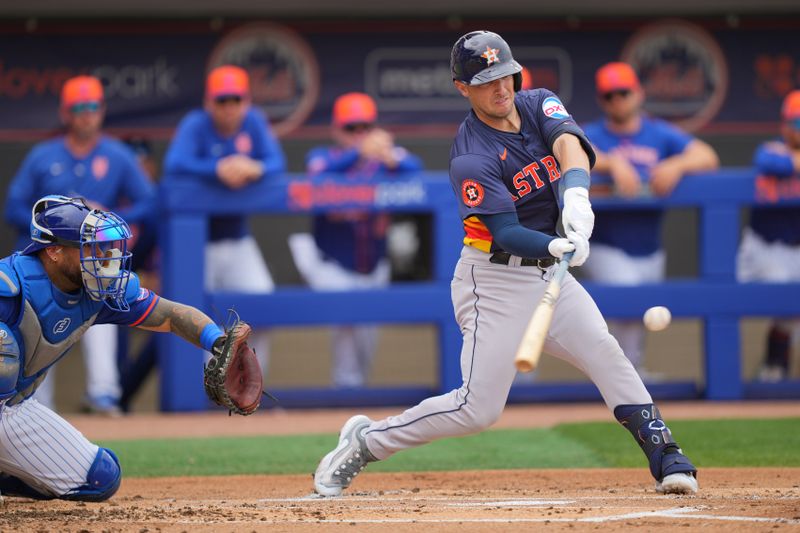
{"points": [[502, 258]]}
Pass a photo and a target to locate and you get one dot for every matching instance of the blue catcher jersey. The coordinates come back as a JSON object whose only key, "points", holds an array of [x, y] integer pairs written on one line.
{"points": [[637, 232], [47, 322], [493, 171]]}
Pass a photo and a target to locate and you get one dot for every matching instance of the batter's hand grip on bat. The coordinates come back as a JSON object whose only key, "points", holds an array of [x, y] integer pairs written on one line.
{"points": [[530, 347]]}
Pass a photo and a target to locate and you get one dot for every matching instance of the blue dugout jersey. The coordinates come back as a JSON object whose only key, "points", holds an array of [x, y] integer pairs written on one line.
{"points": [[355, 239], [774, 165], [109, 175], [196, 148], [636, 232]]}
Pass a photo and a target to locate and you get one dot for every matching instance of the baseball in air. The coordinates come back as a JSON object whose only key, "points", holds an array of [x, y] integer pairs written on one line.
{"points": [[657, 318]]}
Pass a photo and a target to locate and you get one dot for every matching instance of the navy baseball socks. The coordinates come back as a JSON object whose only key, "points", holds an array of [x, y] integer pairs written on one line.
{"points": [[673, 471]]}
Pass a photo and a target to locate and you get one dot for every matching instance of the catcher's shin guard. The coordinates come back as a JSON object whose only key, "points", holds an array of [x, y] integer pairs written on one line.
{"points": [[672, 470]]}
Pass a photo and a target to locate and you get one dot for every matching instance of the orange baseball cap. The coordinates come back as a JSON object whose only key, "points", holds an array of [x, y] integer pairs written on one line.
{"points": [[616, 76], [227, 80], [791, 106], [351, 108], [527, 79], [81, 89]]}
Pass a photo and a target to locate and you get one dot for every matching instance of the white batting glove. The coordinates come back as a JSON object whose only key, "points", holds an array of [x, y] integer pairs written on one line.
{"points": [[577, 214], [558, 247], [581, 248]]}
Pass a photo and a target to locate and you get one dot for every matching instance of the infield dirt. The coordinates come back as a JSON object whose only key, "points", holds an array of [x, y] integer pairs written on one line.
{"points": [[730, 499]]}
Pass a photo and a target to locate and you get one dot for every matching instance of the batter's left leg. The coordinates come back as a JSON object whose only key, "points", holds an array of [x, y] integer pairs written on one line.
{"points": [[491, 303], [579, 335]]}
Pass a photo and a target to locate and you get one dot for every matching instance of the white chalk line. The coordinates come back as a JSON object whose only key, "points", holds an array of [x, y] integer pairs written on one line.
{"points": [[340, 499], [693, 512], [680, 513]]}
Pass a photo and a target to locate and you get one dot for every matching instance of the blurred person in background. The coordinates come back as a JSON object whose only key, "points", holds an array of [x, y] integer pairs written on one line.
{"points": [[637, 156], [134, 369], [770, 247], [145, 261], [229, 144], [84, 162], [527, 79], [348, 249]]}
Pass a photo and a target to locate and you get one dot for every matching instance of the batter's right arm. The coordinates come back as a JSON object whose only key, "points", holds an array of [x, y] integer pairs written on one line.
{"points": [[570, 153]]}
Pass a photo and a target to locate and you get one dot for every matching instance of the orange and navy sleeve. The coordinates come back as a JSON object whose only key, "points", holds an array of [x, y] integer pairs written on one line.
{"points": [[478, 185], [480, 190], [141, 301]]}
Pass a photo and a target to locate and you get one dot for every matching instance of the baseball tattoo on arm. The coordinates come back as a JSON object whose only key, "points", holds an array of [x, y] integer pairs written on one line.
{"points": [[183, 320]]}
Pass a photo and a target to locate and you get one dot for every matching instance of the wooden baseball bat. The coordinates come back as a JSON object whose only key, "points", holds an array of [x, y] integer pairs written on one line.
{"points": [[530, 347]]}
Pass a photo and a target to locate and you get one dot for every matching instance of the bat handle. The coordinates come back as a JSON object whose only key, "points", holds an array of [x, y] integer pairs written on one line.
{"points": [[563, 266]]}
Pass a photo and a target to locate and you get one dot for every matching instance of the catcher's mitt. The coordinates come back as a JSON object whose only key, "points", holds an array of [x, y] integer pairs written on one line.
{"points": [[232, 377]]}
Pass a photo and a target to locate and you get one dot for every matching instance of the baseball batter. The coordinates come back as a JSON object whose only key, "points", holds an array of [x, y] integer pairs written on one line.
{"points": [[515, 155], [74, 274]]}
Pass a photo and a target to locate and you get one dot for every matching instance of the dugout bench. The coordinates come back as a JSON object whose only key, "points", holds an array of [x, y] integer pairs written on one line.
{"points": [[714, 296]]}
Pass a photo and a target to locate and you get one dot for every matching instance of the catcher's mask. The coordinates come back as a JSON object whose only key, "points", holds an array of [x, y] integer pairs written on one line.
{"points": [[101, 236], [483, 56]]}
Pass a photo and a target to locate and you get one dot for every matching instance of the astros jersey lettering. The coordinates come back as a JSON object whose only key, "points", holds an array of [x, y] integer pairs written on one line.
{"points": [[492, 171]]}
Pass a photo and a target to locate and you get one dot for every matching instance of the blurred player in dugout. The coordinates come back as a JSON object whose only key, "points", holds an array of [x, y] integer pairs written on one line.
{"points": [[84, 162], [770, 247], [348, 249], [637, 156], [228, 144]]}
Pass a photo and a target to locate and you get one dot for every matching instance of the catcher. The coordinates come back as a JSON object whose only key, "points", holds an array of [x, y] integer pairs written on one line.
{"points": [[77, 273]]}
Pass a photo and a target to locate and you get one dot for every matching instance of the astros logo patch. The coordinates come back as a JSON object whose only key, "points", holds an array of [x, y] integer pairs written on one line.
{"points": [[471, 193], [491, 55]]}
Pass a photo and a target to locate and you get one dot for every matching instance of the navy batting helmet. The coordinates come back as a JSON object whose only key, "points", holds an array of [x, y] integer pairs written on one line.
{"points": [[101, 236], [482, 56]]}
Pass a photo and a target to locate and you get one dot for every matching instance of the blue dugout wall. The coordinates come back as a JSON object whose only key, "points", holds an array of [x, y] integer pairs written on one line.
{"points": [[714, 296]]}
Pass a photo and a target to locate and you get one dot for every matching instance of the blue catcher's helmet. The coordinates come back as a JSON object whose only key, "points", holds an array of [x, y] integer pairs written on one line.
{"points": [[483, 56], [101, 236]]}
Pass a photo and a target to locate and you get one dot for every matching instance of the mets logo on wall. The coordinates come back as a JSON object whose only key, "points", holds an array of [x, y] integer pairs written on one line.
{"points": [[472, 193], [284, 75], [682, 70]]}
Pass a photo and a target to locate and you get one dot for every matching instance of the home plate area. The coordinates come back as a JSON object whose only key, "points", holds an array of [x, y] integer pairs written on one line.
{"points": [[752, 499]]}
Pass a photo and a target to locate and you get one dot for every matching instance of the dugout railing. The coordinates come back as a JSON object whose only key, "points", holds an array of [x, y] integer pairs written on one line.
{"points": [[714, 296]]}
